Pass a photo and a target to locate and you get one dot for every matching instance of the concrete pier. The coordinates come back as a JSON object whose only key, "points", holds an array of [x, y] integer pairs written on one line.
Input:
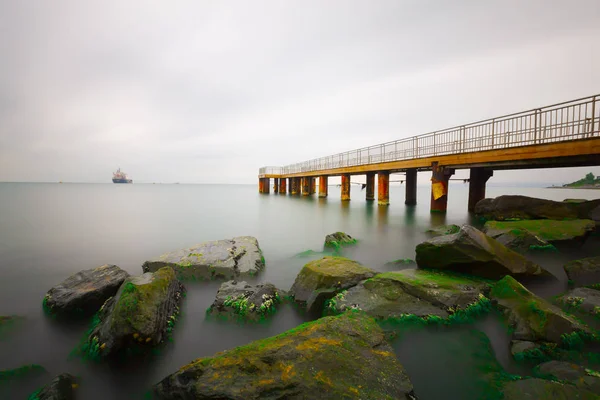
{"points": [[276, 185], [312, 185], [439, 187], [370, 186], [323, 188], [282, 186], [383, 188], [294, 186], [345, 187], [305, 186], [478, 178], [411, 187]]}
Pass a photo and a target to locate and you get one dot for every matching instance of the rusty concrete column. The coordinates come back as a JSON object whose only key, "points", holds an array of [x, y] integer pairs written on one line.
{"points": [[383, 188], [313, 185], [323, 186], [439, 187], [477, 180], [305, 186], [282, 186], [267, 185], [260, 185], [293, 186], [370, 186], [276, 185], [411, 187], [346, 187]]}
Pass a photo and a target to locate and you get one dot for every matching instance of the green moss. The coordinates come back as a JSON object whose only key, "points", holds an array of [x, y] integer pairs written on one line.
{"points": [[547, 247], [425, 277], [546, 229], [242, 307], [552, 351]]}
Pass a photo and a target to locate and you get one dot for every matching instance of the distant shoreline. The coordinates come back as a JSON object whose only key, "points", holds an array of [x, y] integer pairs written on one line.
{"points": [[574, 187]]}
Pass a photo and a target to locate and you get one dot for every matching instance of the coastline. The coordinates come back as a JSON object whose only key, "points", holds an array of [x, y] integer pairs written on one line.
{"points": [[574, 187]]}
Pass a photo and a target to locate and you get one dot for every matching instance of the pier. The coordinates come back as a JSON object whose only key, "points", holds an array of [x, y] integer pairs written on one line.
{"points": [[560, 135]]}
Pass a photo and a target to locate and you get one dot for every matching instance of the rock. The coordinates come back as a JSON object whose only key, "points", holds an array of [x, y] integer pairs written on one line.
{"points": [[583, 272], [594, 215], [402, 262], [141, 314], [545, 229], [8, 375], [61, 388], [243, 300], [533, 318], [504, 208], [330, 358], [520, 240], [540, 389], [338, 240], [415, 292], [581, 300], [520, 346], [471, 251], [575, 374], [83, 293], [320, 280], [443, 230], [239, 257]]}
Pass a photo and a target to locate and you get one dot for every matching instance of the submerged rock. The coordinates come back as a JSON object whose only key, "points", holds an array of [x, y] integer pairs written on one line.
{"points": [[520, 240], [61, 388], [320, 280], [330, 358], [241, 299], [239, 257], [83, 293], [575, 374], [471, 251], [338, 240], [8, 375], [142, 313], [521, 346], [533, 318], [583, 272], [522, 207], [581, 300], [443, 230], [411, 292], [541, 389], [545, 229], [402, 262]]}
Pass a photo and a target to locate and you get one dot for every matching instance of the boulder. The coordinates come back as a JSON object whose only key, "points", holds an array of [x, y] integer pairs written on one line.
{"points": [[443, 230], [244, 300], [545, 229], [471, 251], [331, 358], [583, 272], [521, 346], [522, 207], [520, 240], [568, 372], [581, 300], [140, 316], [595, 215], [61, 388], [416, 292], [320, 280], [541, 389], [83, 293], [338, 240], [402, 262], [240, 257], [533, 318]]}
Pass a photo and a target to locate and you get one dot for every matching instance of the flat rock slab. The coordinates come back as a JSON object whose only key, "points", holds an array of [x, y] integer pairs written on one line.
{"points": [[520, 240], [246, 301], [545, 229], [240, 257], [533, 318], [581, 300], [417, 292], [83, 293], [61, 388], [443, 230], [541, 389], [472, 252], [330, 358], [142, 313], [584, 272], [510, 207], [576, 374], [320, 280]]}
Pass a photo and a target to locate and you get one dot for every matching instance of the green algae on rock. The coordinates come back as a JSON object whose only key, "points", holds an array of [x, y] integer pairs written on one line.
{"points": [[471, 251], [520, 240], [583, 272], [239, 299], [7, 375], [581, 301], [335, 241], [141, 315], [443, 230], [240, 257], [332, 358], [545, 229], [62, 387], [320, 280], [541, 389]]}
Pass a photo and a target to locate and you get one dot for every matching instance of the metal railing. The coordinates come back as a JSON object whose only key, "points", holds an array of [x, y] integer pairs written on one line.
{"points": [[572, 120]]}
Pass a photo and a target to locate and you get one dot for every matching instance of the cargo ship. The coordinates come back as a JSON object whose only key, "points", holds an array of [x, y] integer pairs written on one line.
{"points": [[121, 177]]}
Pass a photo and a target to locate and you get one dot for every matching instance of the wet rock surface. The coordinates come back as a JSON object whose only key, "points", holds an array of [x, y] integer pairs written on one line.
{"points": [[583, 272], [240, 257], [83, 293], [548, 230], [581, 301], [521, 346], [472, 252], [63, 387], [331, 358], [520, 240], [504, 208], [541, 389], [443, 230], [243, 300], [577, 375], [337, 240]]}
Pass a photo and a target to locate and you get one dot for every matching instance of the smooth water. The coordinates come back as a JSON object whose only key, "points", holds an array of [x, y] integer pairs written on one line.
{"points": [[49, 231]]}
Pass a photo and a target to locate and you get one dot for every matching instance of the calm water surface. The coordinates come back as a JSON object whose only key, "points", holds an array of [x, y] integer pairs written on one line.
{"points": [[49, 231]]}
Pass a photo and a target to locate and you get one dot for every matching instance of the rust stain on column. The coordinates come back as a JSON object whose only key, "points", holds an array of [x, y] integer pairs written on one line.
{"points": [[313, 185], [266, 185], [370, 186], [323, 186], [411, 187], [346, 187], [383, 188], [305, 186], [282, 186], [477, 180], [294, 186], [439, 187]]}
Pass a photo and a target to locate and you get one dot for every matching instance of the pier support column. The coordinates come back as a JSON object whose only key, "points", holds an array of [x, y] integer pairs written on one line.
{"points": [[263, 185], [305, 186], [370, 186], [293, 186], [282, 188], [346, 187], [479, 176], [313, 185], [323, 186], [383, 188], [439, 187], [276, 185], [411, 187]]}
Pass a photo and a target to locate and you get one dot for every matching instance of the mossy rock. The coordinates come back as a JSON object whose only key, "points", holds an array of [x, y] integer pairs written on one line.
{"points": [[421, 293], [240, 257], [512, 207], [533, 318], [239, 300], [472, 252], [335, 241], [443, 230], [541, 389], [401, 262], [545, 229], [331, 358], [520, 240], [62, 387], [7, 376], [583, 272], [581, 301], [140, 316], [320, 280], [583, 378]]}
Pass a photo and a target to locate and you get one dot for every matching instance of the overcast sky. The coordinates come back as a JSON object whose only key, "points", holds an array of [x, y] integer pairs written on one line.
{"points": [[208, 92]]}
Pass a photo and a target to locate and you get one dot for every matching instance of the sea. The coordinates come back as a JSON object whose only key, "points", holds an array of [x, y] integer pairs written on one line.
{"points": [[49, 231]]}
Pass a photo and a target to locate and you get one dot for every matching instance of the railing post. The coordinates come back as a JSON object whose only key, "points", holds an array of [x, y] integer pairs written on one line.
{"points": [[462, 139], [594, 116], [434, 146], [535, 127], [493, 128]]}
